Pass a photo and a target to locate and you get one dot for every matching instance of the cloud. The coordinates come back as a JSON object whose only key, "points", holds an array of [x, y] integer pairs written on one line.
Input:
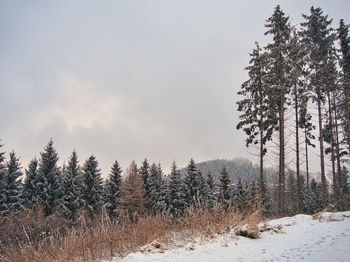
{"points": [[79, 105]]}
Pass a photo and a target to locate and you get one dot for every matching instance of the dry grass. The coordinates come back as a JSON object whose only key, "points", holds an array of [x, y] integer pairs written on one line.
{"points": [[104, 239]]}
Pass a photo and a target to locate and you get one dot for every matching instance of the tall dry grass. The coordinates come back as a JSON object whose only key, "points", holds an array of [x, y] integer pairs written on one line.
{"points": [[32, 238]]}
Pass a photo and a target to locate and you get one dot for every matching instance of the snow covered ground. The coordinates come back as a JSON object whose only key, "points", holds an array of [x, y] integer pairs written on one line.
{"points": [[300, 238]]}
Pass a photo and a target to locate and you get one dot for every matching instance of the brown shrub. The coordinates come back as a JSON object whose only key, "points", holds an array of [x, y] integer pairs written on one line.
{"points": [[32, 237]]}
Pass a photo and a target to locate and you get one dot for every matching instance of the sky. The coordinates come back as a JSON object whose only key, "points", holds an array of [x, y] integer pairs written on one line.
{"points": [[128, 80]]}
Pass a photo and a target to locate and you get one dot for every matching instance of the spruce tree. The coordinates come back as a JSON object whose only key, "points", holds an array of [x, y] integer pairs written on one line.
{"points": [[48, 181], [255, 119], [279, 27], [30, 194], [2, 177], [318, 37], [72, 188], [192, 184], [305, 123], [92, 186], [113, 190], [297, 75], [176, 194], [344, 39], [239, 194], [225, 191], [10, 200], [157, 191], [212, 194], [315, 197], [145, 173]]}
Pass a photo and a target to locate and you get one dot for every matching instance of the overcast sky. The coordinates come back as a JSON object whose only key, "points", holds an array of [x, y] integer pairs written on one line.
{"points": [[127, 80]]}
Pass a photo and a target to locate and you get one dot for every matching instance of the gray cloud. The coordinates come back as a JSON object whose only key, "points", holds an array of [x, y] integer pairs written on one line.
{"points": [[132, 79]]}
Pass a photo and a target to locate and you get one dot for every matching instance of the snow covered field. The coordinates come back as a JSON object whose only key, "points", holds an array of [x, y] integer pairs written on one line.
{"points": [[300, 238]]}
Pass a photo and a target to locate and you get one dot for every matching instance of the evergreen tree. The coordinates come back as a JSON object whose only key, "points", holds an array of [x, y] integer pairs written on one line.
{"points": [[30, 188], [72, 182], [212, 194], [292, 201], [145, 173], [113, 190], [345, 185], [225, 191], [315, 197], [203, 191], [255, 120], [12, 186], [92, 186], [238, 198], [2, 178], [279, 27], [305, 123], [266, 205], [344, 39], [157, 188], [192, 184], [48, 182], [296, 55], [176, 193], [318, 37]]}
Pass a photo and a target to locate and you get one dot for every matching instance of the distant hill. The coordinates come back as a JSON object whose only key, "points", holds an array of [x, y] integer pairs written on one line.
{"points": [[237, 168]]}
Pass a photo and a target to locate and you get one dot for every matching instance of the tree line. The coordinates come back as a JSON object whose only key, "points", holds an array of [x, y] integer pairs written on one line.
{"points": [[301, 79], [74, 189]]}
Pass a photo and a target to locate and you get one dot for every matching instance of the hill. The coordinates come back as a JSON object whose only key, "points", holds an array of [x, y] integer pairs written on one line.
{"points": [[237, 168]]}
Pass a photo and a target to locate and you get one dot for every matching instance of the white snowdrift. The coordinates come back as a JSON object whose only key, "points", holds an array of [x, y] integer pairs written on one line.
{"points": [[300, 238]]}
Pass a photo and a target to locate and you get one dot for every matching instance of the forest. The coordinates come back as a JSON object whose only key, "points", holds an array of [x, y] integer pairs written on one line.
{"points": [[296, 99]]}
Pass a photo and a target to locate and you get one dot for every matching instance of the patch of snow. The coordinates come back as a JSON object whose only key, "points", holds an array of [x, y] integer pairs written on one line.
{"points": [[302, 237]]}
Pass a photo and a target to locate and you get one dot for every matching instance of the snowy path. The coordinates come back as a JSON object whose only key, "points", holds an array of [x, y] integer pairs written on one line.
{"points": [[303, 239]]}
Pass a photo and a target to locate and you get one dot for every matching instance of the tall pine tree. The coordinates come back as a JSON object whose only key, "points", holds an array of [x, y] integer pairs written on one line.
{"points": [[93, 186]]}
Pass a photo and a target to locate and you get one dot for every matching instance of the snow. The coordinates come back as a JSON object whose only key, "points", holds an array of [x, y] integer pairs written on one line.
{"points": [[302, 237]]}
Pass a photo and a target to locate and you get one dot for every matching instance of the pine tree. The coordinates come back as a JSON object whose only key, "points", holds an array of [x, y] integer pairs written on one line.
{"points": [[344, 39], [48, 181], [266, 205], [318, 37], [238, 199], [292, 195], [305, 123], [30, 194], [203, 191], [255, 120], [2, 178], [296, 55], [92, 186], [145, 173], [157, 188], [133, 194], [225, 191], [345, 185], [192, 184], [212, 194], [113, 190], [315, 198], [12, 186], [176, 193], [72, 182], [279, 27]]}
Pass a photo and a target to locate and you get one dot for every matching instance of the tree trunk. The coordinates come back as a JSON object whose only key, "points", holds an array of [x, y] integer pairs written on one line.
{"points": [[282, 186], [337, 148], [320, 138], [307, 172], [297, 148], [330, 115], [261, 177]]}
